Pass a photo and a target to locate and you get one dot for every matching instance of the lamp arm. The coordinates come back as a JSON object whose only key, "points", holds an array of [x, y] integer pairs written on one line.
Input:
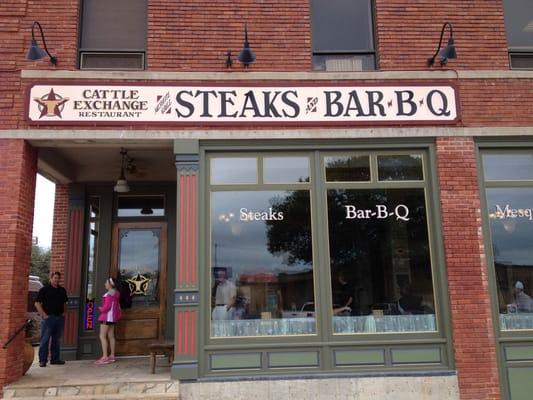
{"points": [[53, 59], [432, 59]]}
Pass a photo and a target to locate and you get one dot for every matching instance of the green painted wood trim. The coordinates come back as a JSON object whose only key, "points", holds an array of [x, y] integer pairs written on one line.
{"points": [[184, 371], [520, 383], [415, 356], [519, 353], [235, 361], [186, 146], [359, 357], [293, 359]]}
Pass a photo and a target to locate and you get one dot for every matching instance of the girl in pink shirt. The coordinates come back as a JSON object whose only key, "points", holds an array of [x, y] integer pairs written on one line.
{"points": [[109, 316]]}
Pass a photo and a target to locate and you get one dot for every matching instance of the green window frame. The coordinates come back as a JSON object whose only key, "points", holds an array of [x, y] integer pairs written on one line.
{"points": [[318, 187]]}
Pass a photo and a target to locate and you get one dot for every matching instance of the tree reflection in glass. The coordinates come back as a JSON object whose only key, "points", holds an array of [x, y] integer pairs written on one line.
{"points": [[380, 261]]}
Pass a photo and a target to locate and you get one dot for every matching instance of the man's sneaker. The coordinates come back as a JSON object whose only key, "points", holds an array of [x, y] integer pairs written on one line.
{"points": [[42, 365], [57, 362], [102, 361]]}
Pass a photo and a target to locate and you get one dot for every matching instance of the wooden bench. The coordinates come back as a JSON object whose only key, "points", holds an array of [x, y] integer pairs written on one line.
{"points": [[164, 348]]}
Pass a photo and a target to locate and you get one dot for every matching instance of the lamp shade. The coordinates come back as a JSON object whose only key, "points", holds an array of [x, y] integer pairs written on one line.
{"points": [[448, 52], [121, 186], [35, 52], [246, 56]]}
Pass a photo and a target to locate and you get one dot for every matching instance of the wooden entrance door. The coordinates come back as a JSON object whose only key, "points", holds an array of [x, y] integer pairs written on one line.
{"points": [[139, 261]]}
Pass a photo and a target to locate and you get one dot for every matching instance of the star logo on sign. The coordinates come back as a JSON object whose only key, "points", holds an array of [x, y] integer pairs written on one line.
{"points": [[138, 284], [51, 104]]}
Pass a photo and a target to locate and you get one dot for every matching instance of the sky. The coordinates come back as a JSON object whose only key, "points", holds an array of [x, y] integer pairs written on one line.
{"points": [[43, 212]]}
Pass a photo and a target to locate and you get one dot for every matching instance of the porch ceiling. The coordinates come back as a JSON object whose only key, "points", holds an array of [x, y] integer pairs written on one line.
{"points": [[71, 161]]}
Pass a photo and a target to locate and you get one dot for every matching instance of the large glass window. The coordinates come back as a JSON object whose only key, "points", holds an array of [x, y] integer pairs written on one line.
{"points": [[510, 211], [261, 253], [519, 27], [374, 219], [113, 34], [380, 260], [342, 34]]}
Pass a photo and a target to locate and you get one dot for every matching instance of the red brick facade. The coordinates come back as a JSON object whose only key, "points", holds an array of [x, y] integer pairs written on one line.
{"points": [[18, 167], [467, 270], [195, 36]]}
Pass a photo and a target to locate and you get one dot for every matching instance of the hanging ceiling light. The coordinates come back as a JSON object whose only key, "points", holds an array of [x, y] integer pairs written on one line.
{"points": [[122, 184]]}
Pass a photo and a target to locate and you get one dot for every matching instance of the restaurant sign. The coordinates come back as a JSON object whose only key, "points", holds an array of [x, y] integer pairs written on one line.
{"points": [[54, 104]]}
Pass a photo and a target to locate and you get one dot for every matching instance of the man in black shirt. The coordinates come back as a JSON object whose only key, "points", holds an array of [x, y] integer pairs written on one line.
{"points": [[50, 304]]}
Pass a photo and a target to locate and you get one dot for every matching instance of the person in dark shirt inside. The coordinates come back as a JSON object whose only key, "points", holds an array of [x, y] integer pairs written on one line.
{"points": [[50, 304], [409, 303], [343, 293]]}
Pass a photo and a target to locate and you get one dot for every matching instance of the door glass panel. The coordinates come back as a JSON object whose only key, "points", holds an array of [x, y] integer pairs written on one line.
{"points": [[141, 206], [511, 226], [139, 264], [89, 312], [261, 264], [380, 261]]}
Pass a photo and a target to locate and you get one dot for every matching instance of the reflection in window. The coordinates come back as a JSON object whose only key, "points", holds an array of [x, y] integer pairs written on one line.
{"points": [[380, 261], [139, 264], [286, 169], [400, 168], [347, 168], [499, 167], [141, 206], [90, 289], [233, 170], [261, 263], [511, 226]]}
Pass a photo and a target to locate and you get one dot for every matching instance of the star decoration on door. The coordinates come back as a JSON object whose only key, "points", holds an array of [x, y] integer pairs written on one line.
{"points": [[138, 284]]}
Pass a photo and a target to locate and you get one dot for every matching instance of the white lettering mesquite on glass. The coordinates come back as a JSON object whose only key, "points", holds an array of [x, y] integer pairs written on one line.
{"points": [[269, 215], [509, 212], [400, 212]]}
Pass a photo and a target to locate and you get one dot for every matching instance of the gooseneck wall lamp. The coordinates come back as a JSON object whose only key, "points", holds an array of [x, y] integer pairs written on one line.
{"points": [[35, 52], [446, 53], [246, 56]]}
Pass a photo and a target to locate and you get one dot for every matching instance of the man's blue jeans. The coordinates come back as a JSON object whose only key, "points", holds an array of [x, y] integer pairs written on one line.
{"points": [[51, 330]]}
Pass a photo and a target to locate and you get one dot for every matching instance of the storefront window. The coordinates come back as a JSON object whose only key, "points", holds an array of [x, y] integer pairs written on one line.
{"points": [[286, 169], [380, 261], [400, 168], [354, 168], [261, 263], [233, 170], [511, 225]]}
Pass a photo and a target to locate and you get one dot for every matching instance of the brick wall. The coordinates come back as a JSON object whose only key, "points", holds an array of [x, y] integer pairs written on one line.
{"points": [[194, 35], [408, 33], [60, 230], [18, 166], [473, 335]]}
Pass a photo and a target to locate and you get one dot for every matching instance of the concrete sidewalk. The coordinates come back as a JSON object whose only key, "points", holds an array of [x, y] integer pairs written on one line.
{"points": [[126, 378]]}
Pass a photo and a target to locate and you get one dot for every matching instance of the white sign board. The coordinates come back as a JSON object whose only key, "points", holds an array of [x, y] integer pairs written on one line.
{"points": [[241, 104]]}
